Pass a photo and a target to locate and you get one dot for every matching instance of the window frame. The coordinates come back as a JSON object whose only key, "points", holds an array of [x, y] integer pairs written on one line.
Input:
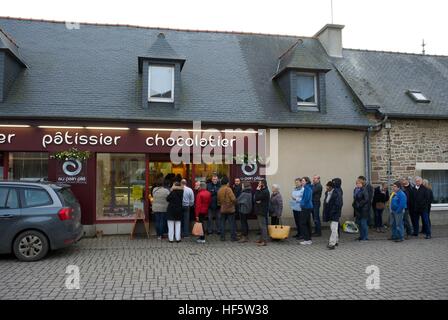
{"points": [[433, 166], [159, 99], [308, 106]]}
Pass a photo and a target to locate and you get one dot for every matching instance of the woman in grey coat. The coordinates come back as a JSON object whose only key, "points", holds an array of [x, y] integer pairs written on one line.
{"points": [[275, 205]]}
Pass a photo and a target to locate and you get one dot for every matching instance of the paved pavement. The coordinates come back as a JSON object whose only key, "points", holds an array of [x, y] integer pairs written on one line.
{"points": [[118, 268]]}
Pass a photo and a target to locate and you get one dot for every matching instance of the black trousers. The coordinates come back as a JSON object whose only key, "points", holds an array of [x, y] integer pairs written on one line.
{"points": [[275, 221], [305, 224]]}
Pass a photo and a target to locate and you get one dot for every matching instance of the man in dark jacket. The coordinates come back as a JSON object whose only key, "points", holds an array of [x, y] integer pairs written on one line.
{"points": [[214, 212], [409, 211], [362, 206], [422, 201], [317, 194], [261, 209], [370, 191], [332, 210]]}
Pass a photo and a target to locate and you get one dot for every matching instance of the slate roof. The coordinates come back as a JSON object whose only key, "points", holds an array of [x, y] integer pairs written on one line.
{"points": [[304, 55], [7, 44], [381, 79], [92, 73]]}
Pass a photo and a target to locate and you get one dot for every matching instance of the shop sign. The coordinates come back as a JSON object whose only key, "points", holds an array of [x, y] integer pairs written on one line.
{"points": [[71, 171]]}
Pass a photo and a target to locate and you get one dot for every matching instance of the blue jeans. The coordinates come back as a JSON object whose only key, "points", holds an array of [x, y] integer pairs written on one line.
{"points": [[186, 221], [407, 222], [363, 228], [426, 223], [231, 218], [397, 225], [379, 218], [316, 217], [297, 220], [160, 222]]}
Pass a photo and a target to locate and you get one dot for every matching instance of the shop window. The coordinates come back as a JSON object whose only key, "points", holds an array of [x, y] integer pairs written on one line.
{"points": [[167, 170], [204, 172], [28, 165], [120, 185], [438, 179]]}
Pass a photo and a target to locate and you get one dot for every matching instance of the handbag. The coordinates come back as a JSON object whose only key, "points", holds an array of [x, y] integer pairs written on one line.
{"points": [[198, 230], [279, 231]]}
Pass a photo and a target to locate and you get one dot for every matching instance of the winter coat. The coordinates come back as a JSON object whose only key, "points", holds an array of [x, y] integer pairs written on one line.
{"points": [[431, 199], [202, 203], [297, 194], [276, 205], [226, 200], [379, 196], [261, 206], [361, 203], [307, 199], [244, 202], [410, 196], [175, 208], [213, 189], [317, 193], [332, 208], [398, 202], [237, 189], [159, 195], [422, 199]]}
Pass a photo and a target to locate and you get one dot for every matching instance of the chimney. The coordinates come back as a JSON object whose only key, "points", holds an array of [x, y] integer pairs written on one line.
{"points": [[330, 36]]}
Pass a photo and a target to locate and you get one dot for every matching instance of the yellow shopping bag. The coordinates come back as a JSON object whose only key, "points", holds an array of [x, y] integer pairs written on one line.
{"points": [[279, 232]]}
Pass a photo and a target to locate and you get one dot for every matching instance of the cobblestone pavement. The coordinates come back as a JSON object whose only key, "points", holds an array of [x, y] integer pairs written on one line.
{"points": [[118, 268]]}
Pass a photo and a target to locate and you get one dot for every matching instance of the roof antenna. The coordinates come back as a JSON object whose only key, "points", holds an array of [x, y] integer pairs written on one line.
{"points": [[331, 11], [423, 46]]}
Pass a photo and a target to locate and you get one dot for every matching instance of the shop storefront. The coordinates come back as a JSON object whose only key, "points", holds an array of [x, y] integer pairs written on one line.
{"points": [[114, 182]]}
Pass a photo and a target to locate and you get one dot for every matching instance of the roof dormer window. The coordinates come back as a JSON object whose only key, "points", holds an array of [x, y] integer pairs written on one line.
{"points": [[160, 83], [306, 90]]}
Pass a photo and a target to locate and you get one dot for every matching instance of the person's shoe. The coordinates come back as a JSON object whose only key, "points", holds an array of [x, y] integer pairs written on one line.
{"points": [[307, 242], [398, 240], [243, 239], [428, 237], [392, 239], [331, 247], [337, 244], [317, 234], [159, 238], [300, 238], [261, 244], [222, 239], [258, 241], [170, 241], [178, 241], [200, 241], [234, 240], [415, 235]]}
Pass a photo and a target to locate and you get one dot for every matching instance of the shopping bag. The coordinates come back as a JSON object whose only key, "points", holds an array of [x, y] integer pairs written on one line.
{"points": [[350, 227], [197, 229], [279, 231]]}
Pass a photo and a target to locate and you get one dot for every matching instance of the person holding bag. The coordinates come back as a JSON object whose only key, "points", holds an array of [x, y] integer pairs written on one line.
{"points": [[202, 204], [380, 197], [275, 205]]}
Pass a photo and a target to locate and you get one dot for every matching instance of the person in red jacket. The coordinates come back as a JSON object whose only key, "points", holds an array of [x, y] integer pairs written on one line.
{"points": [[202, 203]]}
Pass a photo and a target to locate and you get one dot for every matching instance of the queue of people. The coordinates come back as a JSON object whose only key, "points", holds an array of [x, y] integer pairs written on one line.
{"points": [[218, 204]]}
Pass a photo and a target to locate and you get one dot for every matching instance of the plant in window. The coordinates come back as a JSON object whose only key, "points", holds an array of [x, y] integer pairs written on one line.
{"points": [[72, 153]]}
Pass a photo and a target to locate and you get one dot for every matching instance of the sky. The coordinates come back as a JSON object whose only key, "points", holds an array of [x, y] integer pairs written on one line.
{"points": [[389, 25]]}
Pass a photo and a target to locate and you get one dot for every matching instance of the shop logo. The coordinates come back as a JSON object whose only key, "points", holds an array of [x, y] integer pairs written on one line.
{"points": [[72, 167], [252, 168]]}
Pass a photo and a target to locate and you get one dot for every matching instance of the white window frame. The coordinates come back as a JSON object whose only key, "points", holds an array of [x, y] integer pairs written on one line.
{"points": [[428, 166], [309, 104], [158, 99]]}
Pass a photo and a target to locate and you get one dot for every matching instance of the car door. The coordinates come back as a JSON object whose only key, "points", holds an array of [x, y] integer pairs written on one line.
{"points": [[10, 214]]}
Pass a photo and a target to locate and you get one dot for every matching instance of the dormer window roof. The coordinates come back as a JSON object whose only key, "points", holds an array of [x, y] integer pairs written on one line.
{"points": [[418, 96]]}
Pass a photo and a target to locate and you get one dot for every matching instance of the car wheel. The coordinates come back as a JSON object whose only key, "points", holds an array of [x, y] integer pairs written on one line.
{"points": [[30, 246]]}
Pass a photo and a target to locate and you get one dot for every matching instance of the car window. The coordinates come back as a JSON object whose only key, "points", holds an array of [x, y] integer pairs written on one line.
{"points": [[36, 198], [8, 198], [13, 199], [67, 197]]}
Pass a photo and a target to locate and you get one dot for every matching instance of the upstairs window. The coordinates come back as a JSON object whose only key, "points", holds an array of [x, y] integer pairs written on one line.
{"points": [[306, 90], [161, 83]]}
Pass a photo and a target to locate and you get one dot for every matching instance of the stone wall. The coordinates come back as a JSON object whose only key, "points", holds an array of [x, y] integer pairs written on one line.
{"points": [[411, 141]]}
